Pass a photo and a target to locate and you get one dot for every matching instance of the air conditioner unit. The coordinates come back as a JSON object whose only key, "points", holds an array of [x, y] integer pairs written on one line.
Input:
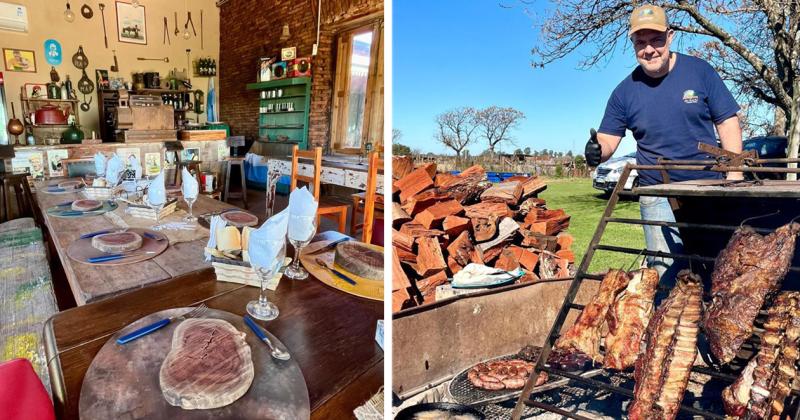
{"points": [[13, 17]]}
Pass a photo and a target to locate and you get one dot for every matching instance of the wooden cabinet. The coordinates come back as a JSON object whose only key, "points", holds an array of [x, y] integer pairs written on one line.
{"points": [[284, 106]]}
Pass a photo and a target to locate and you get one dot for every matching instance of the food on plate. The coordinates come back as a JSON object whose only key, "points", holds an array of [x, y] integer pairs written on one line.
{"points": [[360, 259], [765, 382], [70, 185], [86, 205], [239, 218], [662, 370], [584, 335], [208, 366], [503, 374], [628, 318], [117, 242], [746, 273]]}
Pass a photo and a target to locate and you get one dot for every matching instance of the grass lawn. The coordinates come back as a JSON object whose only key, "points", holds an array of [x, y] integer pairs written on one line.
{"points": [[586, 205]]}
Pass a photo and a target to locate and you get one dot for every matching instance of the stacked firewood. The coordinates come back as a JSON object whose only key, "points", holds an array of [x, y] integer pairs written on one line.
{"points": [[442, 222]]}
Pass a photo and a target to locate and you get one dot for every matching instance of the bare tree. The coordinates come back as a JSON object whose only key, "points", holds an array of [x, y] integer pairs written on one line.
{"points": [[755, 44], [456, 128], [396, 135], [495, 124]]}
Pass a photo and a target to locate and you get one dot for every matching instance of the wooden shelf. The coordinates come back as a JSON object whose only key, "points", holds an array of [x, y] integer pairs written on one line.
{"points": [[51, 100], [145, 91]]}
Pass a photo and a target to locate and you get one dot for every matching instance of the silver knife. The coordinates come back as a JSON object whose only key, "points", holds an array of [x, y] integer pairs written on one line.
{"points": [[330, 246]]}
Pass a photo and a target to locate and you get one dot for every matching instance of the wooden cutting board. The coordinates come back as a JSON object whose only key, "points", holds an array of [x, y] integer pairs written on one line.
{"points": [[82, 249], [122, 381], [365, 288]]}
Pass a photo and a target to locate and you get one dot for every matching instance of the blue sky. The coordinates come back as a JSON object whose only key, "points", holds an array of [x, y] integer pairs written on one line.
{"points": [[475, 53]]}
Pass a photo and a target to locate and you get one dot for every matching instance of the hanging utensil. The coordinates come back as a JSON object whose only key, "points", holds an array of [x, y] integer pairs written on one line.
{"points": [[105, 37], [85, 106], [176, 24], [115, 67], [166, 32], [85, 85], [165, 59], [201, 29], [86, 11], [14, 126], [186, 25], [79, 60]]}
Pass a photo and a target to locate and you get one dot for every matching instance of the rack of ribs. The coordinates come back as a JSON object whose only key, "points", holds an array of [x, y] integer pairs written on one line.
{"points": [[662, 371], [628, 318], [584, 335], [765, 382], [747, 271]]}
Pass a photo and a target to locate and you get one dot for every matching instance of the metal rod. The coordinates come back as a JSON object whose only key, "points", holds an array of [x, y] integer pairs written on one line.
{"points": [[712, 169], [682, 225], [715, 162], [553, 409]]}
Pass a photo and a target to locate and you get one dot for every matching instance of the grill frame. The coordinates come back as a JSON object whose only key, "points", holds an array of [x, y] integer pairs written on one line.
{"points": [[525, 397]]}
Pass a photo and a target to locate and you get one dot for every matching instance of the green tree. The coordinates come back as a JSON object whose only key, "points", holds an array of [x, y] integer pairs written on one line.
{"points": [[527, 150], [400, 149]]}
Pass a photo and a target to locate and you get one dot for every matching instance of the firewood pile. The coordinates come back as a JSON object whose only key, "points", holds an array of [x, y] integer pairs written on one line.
{"points": [[442, 222]]}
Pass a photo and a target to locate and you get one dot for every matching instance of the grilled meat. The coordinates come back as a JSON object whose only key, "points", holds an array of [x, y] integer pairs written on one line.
{"points": [[584, 335], [628, 318], [503, 374], [765, 382], [662, 371], [747, 271]]}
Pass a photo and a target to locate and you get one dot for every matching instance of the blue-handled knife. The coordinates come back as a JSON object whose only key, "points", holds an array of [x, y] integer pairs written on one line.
{"points": [[336, 272], [93, 234], [66, 203], [275, 352], [112, 257], [141, 332]]}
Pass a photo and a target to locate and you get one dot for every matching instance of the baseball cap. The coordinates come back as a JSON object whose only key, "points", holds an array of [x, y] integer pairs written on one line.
{"points": [[648, 16]]}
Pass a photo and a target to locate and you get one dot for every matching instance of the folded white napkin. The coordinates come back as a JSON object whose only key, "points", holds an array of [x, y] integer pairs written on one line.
{"points": [[189, 186], [133, 161], [266, 243], [156, 191], [114, 168], [302, 212], [216, 223], [99, 164], [476, 275]]}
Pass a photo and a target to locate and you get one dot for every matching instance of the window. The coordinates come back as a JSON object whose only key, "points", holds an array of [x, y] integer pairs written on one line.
{"points": [[358, 89]]}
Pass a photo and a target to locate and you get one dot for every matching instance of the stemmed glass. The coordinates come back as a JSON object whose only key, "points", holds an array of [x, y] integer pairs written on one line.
{"points": [[301, 230], [189, 201], [157, 208], [263, 309]]}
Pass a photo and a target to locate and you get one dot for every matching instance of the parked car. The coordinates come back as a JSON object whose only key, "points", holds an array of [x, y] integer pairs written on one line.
{"points": [[768, 147], [606, 175]]}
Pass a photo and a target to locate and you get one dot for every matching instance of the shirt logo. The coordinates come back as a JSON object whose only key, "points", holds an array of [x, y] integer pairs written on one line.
{"points": [[690, 97]]}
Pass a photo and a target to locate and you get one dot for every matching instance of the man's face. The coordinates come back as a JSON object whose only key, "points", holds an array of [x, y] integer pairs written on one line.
{"points": [[652, 49]]}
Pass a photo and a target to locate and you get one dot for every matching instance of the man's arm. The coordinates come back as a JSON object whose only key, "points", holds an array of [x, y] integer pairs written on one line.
{"points": [[730, 135], [608, 144]]}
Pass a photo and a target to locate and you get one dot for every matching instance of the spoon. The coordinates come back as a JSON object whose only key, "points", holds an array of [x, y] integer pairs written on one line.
{"points": [[275, 352]]}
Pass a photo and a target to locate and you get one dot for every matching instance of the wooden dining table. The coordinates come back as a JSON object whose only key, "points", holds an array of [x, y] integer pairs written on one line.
{"points": [[329, 333], [92, 282]]}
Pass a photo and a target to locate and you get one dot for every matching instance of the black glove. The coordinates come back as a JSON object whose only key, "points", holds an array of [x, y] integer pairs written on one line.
{"points": [[593, 151]]}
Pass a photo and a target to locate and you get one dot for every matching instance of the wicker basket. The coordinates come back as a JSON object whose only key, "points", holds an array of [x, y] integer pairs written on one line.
{"points": [[141, 210], [238, 271], [99, 193]]}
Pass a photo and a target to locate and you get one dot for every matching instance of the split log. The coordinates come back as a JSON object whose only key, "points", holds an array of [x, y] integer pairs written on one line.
{"points": [[486, 209], [506, 230], [484, 227], [430, 259], [467, 186], [549, 222], [422, 201], [402, 240], [566, 254], [531, 185], [416, 230], [491, 254], [564, 240], [454, 225], [400, 299], [524, 257], [434, 215], [443, 179], [538, 241], [505, 192], [454, 266], [507, 260], [406, 256], [399, 278], [530, 204], [430, 168], [399, 216], [415, 182], [401, 166], [461, 249], [427, 286]]}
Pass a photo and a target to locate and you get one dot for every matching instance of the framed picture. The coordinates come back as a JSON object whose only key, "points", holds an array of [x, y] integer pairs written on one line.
{"points": [[288, 53], [131, 24], [19, 60], [54, 158], [152, 163], [102, 78], [35, 90]]}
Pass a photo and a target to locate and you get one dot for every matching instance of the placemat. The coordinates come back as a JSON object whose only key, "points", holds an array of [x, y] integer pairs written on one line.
{"points": [[365, 288], [66, 211], [123, 220]]}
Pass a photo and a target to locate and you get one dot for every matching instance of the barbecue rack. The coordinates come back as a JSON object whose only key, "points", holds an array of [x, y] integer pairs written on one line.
{"points": [[750, 165]]}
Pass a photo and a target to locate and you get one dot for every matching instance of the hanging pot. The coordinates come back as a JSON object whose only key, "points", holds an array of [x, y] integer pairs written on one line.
{"points": [[50, 114]]}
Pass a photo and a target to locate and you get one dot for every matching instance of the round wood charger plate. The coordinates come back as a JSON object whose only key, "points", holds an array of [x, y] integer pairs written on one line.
{"points": [[82, 249], [365, 288], [58, 211], [55, 189], [122, 381]]}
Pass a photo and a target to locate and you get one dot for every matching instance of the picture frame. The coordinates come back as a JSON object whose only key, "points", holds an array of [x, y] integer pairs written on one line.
{"points": [[288, 54], [131, 23], [19, 60], [101, 75], [35, 90]]}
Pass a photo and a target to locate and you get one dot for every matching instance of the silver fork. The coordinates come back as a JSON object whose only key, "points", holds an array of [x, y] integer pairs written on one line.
{"points": [[197, 312]]}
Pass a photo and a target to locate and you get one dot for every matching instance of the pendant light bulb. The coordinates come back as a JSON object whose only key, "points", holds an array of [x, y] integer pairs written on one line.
{"points": [[69, 15], [135, 3], [186, 34]]}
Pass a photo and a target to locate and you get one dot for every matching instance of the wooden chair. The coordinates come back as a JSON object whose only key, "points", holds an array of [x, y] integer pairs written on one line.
{"points": [[17, 184], [332, 211], [371, 197]]}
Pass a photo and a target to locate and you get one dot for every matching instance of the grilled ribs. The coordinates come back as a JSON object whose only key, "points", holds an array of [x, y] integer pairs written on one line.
{"points": [[662, 371], [584, 335], [747, 271], [628, 318], [765, 382]]}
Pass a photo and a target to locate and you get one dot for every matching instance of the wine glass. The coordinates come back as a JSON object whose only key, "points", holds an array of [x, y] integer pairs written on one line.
{"points": [[157, 208], [189, 201], [263, 309], [301, 230]]}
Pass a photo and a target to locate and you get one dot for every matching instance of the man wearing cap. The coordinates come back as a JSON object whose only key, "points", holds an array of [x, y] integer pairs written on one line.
{"points": [[671, 102]]}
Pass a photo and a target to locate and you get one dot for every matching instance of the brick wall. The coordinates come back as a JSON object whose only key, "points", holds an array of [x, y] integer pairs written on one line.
{"points": [[250, 29]]}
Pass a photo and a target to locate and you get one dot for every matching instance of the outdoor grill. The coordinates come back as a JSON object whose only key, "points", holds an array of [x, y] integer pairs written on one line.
{"points": [[757, 201]]}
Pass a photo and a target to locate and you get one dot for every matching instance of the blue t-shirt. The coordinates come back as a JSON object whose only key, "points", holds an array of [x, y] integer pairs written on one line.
{"points": [[671, 115]]}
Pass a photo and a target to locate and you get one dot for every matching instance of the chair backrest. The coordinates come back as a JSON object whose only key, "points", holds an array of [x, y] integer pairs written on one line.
{"points": [[314, 155], [236, 142], [375, 165], [78, 167]]}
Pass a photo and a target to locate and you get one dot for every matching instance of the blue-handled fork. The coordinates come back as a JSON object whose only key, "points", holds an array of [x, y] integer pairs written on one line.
{"points": [[141, 332]]}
